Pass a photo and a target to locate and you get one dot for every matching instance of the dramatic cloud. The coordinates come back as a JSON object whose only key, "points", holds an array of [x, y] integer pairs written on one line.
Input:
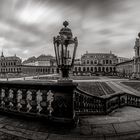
{"points": [[28, 26]]}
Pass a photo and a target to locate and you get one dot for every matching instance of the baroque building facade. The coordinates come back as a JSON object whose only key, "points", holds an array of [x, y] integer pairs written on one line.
{"points": [[89, 63], [96, 63], [43, 64], [10, 65], [125, 69]]}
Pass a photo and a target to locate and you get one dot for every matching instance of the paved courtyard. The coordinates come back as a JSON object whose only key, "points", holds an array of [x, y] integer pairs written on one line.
{"points": [[123, 123]]}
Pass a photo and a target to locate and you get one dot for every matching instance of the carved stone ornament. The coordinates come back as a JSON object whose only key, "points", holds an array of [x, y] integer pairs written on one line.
{"points": [[2, 97], [19, 98], [39, 99], [2, 93], [29, 98], [50, 99]]}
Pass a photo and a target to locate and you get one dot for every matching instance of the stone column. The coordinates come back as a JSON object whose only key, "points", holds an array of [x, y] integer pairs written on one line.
{"points": [[134, 68]]}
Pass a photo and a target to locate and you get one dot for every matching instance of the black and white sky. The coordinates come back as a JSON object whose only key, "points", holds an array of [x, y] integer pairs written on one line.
{"points": [[28, 26]]}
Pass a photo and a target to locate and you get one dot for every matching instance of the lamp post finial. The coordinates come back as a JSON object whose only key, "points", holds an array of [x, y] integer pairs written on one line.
{"points": [[65, 23]]}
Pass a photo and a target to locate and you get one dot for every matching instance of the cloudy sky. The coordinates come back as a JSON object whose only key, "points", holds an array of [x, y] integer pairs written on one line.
{"points": [[28, 26]]}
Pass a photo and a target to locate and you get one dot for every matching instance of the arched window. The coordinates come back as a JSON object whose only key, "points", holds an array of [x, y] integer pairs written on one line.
{"points": [[91, 62], [87, 61], [87, 68], [95, 62], [95, 69], [91, 68], [48, 70], [106, 61], [84, 69], [84, 62], [106, 69], [114, 69], [99, 69], [79, 69]]}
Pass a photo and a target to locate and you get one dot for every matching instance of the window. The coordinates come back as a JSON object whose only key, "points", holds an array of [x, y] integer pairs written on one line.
{"points": [[95, 62], [95, 69], [91, 62], [87, 61], [83, 62], [84, 69], [79, 68], [106, 61]]}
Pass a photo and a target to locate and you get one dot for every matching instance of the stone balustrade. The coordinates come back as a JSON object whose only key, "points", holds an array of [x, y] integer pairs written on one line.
{"points": [[36, 99], [60, 102], [89, 104]]}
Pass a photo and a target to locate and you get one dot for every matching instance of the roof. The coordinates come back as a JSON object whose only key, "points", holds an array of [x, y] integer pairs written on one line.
{"points": [[42, 57], [29, 60], [98, 55], [127, 61], [10, 58]]}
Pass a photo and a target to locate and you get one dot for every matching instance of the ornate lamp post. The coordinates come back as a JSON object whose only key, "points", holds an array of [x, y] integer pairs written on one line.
{"points": [[65, 46]]}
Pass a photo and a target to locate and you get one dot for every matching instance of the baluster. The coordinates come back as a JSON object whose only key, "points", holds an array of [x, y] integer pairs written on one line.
{"points": [[19, 98], [29, 99], [11, 95], [2, 98], [50, 99], [39, 99], [6, 98]]}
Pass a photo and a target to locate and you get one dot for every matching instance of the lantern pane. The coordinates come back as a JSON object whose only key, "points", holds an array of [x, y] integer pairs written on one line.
{"points": [[70, 51]]}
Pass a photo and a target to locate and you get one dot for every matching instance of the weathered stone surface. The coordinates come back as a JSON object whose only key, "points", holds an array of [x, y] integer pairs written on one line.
{"points": [[61, 137], [39, 136], [15, 131], [85, 130], [105, 129], [126, 127]]}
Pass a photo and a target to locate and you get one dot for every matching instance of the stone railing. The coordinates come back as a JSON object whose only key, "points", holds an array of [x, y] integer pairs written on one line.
{"points": [[36, 99], [59, 102], [89, 104]]}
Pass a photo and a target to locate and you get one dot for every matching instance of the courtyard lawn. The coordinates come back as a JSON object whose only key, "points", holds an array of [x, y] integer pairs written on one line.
{"points": [[96, 88], [134, 85]]}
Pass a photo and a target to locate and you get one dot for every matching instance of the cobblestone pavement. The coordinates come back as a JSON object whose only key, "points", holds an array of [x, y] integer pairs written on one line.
{"points": [[123, 124]]}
